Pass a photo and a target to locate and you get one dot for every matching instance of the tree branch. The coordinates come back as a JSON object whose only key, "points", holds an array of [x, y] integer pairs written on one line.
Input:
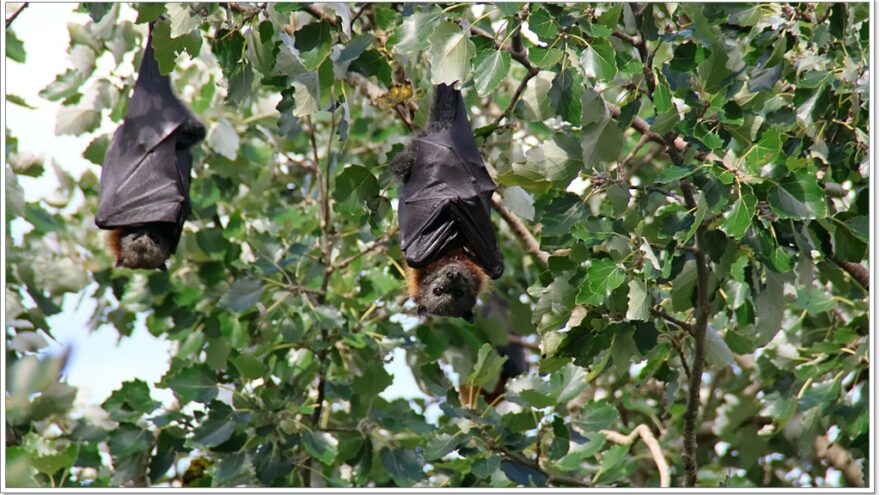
{"points": [[15, 14], [701, 311], [675, 321], [320, 14], [516, 339], [519, 55], [516, 95], [653, 446], [522, 232], [840, 459], [858, 272]]}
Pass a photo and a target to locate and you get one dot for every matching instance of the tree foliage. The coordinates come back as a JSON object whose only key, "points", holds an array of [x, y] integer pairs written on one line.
{"points": [[684, 217]]}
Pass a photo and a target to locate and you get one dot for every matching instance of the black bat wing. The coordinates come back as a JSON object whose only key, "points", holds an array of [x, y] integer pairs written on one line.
{"points": [[446, 199], [146, 172]]}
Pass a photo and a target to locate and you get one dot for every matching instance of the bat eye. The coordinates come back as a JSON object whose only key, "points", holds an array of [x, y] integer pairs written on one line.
{"points": [[438, 291]]}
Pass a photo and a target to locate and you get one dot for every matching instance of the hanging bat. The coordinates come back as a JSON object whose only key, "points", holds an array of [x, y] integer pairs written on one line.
{"points": [[144, 191], [447, 235]]}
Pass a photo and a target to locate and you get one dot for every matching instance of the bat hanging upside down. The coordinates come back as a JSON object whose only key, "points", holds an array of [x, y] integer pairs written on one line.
{"points": [[444, 212], [145, 179]]}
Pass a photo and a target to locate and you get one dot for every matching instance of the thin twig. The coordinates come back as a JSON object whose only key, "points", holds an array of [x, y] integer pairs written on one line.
{"points": [[858, 272], [377, 244], [840, 459], [516, 95], [678, 350], [319, 14], [653, 446], [522, 232], [624, 175], [516, 339], [520, 56], [16, 14], [701, 311], [684, 326]]}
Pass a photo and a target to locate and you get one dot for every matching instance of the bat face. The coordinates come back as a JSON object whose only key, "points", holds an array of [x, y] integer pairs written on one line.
{"points": [[449, 290]]}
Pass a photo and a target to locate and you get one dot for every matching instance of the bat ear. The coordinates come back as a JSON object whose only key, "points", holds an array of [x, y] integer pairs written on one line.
{"points": [[468, 317], [163, 268], [119, 262], [422, 311]]}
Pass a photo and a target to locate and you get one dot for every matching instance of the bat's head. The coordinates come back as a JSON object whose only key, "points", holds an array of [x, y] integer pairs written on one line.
{"points": [[450, 288], [145, 246]]}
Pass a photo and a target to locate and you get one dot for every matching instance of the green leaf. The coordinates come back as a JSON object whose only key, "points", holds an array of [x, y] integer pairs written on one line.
{"points": [[686, 56], [610, 17], [442, 444], [598, 60], [167, 48], [639, 306], [543, 24], [490, 68], [217, 429], [15, 48], [509, 9], [182, 20], [321, 445], [554, 305], [244, 293], [250, 367], [128, 439], [450, 54], [566, 94], [545, 58], [488, 367], [149, 11], [404, 466], [769, 309], [738, 219], [603, 276], [595, 416], [356, 191], [558, 160], [130, 402], [415, 32], [313, 42], [193, 383], [523, 475], [821, 393], [764, 78], [683, 287], [51, 464], [372, 379], [76, 121], [96, 149], [798, 197]]}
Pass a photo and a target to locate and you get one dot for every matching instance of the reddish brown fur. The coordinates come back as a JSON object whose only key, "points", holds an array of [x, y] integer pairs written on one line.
{"points": [[114, 242], [414, 276]]}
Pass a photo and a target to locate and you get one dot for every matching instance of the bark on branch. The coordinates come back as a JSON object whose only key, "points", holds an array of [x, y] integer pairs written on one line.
{"points": [[701, 312], [653, 446], [841, 460], [522, 232]]}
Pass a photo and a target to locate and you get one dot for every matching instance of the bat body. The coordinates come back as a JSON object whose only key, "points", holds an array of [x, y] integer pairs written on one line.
{"points": [[444, 212], [145, 179]]}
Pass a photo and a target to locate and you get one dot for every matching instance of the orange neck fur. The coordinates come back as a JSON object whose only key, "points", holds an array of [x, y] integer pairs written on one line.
{"points": [[414, 276]]}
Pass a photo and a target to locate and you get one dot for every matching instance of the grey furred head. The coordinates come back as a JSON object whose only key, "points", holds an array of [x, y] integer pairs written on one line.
{"points": [[449, 290], [145, 246]]}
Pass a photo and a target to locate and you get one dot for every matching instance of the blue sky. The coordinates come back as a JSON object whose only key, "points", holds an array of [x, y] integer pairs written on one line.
{"points": [[100, 361]]}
